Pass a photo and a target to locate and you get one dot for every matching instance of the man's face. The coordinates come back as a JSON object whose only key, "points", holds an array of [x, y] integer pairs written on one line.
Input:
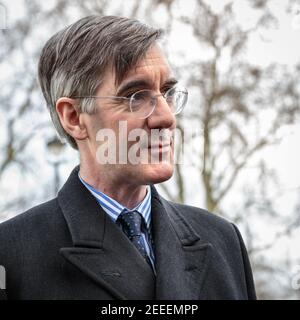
{"points": [[152, 73]]}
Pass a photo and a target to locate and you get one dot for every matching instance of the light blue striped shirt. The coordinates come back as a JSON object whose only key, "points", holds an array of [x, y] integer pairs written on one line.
{"points": [[114, 209]]}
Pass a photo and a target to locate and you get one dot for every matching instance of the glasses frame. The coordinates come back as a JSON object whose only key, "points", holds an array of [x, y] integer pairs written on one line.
{"points": [[154, 96]]}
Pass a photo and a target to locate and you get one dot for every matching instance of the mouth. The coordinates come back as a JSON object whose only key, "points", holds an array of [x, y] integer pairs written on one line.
{"points": [[162, 147]]}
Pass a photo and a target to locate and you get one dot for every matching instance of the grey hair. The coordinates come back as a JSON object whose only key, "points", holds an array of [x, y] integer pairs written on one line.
{"points": [[74, 61]]}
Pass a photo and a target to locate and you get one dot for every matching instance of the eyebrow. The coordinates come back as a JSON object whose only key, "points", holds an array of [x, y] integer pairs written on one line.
{"points": [[143, 83]]}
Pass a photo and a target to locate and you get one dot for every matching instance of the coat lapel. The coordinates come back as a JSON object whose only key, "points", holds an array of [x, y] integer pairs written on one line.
{"points": [[182, 258], [100, 249]]}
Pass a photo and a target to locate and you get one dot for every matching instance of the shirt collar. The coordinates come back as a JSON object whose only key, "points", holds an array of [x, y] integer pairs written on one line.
{"points": [[114, 208]]}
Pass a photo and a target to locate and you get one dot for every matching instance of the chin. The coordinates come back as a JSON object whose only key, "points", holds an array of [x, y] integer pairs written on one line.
{"points": [[157, 173]]}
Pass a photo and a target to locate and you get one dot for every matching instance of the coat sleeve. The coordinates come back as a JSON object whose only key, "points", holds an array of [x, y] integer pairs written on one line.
{"points": [[247, 267]]}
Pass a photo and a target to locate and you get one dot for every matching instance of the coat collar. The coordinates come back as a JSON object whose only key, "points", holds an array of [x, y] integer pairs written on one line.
{"points": [[105, 254]]}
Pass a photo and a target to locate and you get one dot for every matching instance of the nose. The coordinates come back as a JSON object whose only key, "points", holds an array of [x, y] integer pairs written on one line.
{"points": [[162, 116]]}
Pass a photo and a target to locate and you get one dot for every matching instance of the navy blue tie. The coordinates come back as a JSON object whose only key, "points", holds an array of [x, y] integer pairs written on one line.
{"points": [[131, 222]]}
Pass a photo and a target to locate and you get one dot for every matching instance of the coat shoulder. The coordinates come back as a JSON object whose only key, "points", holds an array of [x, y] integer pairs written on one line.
{"points": [[39, 222], [37, 213]]}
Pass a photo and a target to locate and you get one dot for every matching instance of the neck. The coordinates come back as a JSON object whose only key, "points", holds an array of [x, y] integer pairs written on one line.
{"points": [[127, 194]]}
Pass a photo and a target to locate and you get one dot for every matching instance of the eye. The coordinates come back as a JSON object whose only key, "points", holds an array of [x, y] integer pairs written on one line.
{"points": [[133, 91], [129, 95], [166, 89], [141, 96]]}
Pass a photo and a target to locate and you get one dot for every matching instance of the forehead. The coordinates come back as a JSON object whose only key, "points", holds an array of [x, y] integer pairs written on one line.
{"points": [[154, 64], [153, 68]]}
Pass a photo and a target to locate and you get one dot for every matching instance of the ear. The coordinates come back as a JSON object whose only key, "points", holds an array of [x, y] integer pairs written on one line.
{"points": [[69, 116]]}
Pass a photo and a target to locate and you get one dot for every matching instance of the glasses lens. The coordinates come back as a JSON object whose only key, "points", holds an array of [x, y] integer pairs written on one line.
{"points": [[177, 97], [142, 103]]}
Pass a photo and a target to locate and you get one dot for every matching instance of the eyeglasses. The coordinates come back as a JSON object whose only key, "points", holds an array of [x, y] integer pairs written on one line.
{"points": [[142, 103]]}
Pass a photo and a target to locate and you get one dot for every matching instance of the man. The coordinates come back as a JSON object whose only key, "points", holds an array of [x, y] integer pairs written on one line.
{"points": [[109, 234]]}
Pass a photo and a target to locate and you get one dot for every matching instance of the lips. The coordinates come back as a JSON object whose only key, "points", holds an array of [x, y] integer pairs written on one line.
{"points": [[160, 146]]}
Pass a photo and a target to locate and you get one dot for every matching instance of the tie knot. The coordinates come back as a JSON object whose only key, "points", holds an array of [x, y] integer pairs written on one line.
{"points": [[131, 223]]}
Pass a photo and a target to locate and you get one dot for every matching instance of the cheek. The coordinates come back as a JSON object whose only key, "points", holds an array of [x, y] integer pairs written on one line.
{"points": [[94, 127], [93, 130], [96, 123]]}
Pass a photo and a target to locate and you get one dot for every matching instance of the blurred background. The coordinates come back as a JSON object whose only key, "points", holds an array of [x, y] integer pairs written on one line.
{"points": [[240, 61]]}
